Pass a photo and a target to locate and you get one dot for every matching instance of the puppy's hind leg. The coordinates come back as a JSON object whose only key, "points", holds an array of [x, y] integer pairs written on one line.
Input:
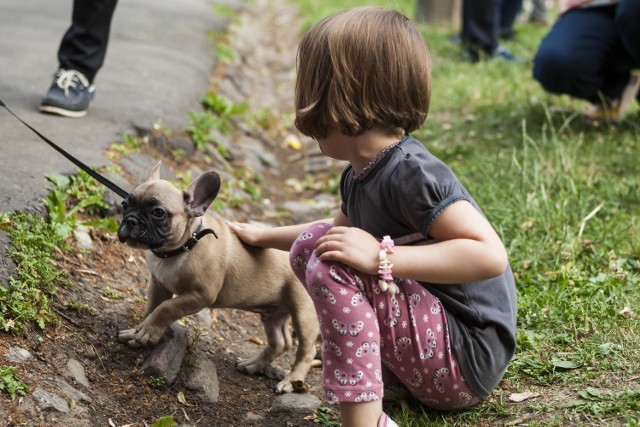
{"points": [[275, 323], [305, 323]]}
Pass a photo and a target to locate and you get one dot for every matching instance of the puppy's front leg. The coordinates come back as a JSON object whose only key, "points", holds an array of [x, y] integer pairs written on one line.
{"points": [[156, 294], [153, 326]]}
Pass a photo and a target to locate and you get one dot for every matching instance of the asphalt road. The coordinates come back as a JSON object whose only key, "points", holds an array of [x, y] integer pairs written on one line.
{"points": [[158, 62]]}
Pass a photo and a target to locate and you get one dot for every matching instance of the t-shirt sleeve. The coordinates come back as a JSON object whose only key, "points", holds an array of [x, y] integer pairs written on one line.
{"points": [[424, 189]]}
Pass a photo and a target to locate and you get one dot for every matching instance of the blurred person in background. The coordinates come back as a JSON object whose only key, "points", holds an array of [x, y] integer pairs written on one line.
{"points": [[591, 53], [80, 56]]}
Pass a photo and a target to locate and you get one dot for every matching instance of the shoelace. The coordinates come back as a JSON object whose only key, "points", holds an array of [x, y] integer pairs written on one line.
{"points": [[70, 79]]}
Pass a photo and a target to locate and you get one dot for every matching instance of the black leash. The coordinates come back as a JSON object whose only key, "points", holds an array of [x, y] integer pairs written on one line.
{"points": [[101, 179]]}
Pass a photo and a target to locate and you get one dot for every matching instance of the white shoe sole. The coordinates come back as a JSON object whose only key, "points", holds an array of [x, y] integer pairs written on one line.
{"points": [[62, 112]]}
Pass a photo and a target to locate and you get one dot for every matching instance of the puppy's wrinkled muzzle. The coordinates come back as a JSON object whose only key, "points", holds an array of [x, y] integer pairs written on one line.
{"points": [[136, 232], [128, 229]]}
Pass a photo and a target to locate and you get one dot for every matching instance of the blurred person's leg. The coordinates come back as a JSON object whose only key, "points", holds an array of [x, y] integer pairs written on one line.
{"points": [[480, 25], [538, 12], [509, 11], [81, 54]]}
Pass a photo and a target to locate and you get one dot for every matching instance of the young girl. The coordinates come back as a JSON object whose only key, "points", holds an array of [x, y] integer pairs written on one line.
{"points": [[411, 284]]}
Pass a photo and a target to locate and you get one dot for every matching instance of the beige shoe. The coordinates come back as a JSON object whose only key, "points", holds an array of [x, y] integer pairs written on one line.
{"points": [[600, 114], [628, 94]]}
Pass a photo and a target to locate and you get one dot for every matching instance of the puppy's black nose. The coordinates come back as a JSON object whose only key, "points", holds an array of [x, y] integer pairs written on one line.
{"points": [[131, 222]]}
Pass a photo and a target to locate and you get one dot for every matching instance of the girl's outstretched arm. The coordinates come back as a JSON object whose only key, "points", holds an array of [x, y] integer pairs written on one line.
{"points": [[467, 249], [278, 237]]}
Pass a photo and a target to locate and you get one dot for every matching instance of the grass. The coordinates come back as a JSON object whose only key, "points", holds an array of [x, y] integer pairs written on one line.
{"points": [[565, 199], [26, 299]]}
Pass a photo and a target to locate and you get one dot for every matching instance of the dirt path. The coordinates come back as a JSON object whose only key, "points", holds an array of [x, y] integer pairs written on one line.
{"points": [[107, 284]]}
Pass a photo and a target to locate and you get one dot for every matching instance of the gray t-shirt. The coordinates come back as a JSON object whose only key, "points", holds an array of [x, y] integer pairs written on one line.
{"points": [[400, 197]]}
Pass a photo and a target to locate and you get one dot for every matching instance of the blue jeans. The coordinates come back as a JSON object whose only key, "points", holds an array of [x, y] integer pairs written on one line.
{"points": [[589, 53]]}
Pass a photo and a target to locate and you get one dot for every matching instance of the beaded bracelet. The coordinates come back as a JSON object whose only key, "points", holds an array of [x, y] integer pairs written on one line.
{"points": [[384, 268]]}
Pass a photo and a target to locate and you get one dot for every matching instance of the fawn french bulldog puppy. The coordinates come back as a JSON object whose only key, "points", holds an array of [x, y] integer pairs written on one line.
{"points": [[197, 262]]}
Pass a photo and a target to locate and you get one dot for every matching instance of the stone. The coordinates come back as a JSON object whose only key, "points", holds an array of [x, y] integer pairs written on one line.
{"points": [[46, 400], [295, 402], [111, 199], [204, 379], [253, 418], [83, 238], [7, 267], [76, 370], [203, 318], [72, 393], [183, 143], [166, 357], [309, 210], [17, 354]]}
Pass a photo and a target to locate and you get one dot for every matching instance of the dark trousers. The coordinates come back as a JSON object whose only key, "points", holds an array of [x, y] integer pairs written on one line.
{"points": [[84, 45], [589, 53], [482, 21]]}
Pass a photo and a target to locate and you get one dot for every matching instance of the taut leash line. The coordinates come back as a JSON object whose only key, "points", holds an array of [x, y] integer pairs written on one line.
{"points": [[95, 175]]}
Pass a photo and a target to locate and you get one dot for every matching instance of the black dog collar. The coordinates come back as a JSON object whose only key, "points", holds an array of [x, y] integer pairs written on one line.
{"points": [[195, 238]]}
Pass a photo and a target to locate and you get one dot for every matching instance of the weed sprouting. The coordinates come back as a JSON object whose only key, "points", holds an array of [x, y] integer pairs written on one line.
{"points": [[10, 383], [25, 300]]}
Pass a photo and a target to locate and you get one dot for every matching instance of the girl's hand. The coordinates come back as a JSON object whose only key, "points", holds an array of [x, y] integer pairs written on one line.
{"points": [[351, 246], [248, 233]]}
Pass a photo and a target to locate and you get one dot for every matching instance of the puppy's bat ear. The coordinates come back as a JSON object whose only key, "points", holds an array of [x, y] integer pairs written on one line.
{"points": [[201, 192], [155, 172]]}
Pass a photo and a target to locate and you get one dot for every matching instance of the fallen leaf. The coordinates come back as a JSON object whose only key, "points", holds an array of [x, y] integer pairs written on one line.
{"points": [[521, 397], [182, 399], [256, 340], [293, 142], [300, 387], [517, 421], [566, 364], [626, 312]]}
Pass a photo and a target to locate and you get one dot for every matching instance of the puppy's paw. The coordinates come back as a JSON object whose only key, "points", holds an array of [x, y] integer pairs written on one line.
{"points": [[254, 366], [138, 337], [284, 386], [126, 336]]}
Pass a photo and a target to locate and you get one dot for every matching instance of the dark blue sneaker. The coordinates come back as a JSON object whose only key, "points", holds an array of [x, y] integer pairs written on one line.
{"points": [[69, 95], [473, 54], [506, 55]]}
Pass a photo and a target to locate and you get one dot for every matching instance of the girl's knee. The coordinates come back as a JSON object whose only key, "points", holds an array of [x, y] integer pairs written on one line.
{"points": [[305, 243]]}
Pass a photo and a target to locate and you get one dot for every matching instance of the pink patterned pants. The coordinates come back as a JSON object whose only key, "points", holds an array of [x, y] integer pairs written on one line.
{"points": [[363, 328]]}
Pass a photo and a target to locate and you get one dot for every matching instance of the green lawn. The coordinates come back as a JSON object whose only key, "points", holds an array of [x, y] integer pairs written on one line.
{"points": [[565, 197]]}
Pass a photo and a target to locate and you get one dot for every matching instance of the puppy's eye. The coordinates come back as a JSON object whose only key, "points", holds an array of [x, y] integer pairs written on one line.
{"points": [[158, 213], [124, 204]]}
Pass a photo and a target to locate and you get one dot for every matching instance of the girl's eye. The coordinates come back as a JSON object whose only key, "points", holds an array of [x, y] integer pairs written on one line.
{"points": [[158, 213]]}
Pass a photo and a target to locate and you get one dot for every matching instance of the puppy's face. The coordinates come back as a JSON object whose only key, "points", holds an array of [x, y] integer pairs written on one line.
{"points": [[156, 214]]}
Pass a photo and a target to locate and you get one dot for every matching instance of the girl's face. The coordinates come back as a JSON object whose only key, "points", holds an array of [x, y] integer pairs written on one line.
{"points": [[333, 145]]}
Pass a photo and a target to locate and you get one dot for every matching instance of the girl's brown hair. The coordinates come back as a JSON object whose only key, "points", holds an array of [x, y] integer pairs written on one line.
{"points": [[362, 68]]}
